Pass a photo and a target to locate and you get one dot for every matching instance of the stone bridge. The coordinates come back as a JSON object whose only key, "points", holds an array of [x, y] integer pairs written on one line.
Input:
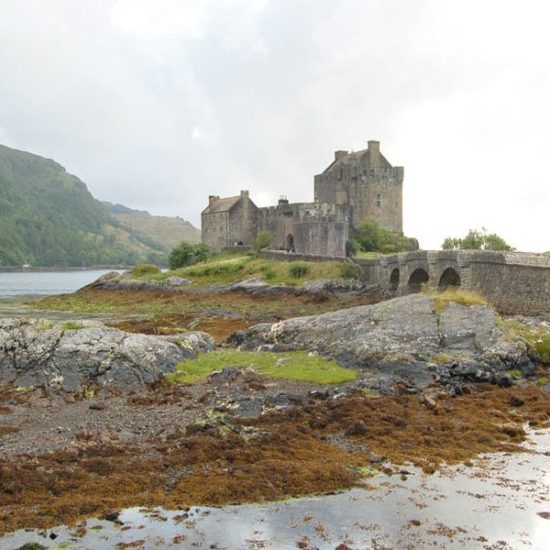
{"points": [[515, 282]]}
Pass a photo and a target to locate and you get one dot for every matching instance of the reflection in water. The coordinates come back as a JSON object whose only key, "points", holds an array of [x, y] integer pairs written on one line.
{"points": [[497, 499]]}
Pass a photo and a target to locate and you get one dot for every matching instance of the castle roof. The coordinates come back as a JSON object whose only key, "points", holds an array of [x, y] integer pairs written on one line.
{"points": [[222, 205], [357, 157]]}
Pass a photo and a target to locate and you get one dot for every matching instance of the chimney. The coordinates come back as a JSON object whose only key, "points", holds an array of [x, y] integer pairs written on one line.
{"points": [[212, 199], [340, 154], [244, 194], [374, 154]]}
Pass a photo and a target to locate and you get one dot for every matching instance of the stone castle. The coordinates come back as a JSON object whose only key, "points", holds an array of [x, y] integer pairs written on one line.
{"points": [[355, 187]]}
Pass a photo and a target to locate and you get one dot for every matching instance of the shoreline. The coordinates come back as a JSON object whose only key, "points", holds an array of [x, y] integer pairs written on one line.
{"points": [[56, 269]]}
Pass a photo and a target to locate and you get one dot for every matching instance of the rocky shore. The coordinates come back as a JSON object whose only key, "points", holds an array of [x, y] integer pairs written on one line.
{"points": [[90, 423]]}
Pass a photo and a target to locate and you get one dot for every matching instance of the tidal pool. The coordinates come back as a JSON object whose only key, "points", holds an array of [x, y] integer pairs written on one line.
{"points": [[499, 502]]}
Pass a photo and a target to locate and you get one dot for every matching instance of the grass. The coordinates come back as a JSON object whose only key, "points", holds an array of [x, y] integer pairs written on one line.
{"points": [[296, 365], [144, 270], [456, 295], [230, 268], [72, 325]]}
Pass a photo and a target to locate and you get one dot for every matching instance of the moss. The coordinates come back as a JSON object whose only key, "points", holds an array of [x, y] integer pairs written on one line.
{"points": [[539, 339], [516, 374], [455, 295], [297, 365], [441, 359]]}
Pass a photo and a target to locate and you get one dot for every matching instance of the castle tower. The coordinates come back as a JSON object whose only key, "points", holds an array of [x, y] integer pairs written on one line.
{"points": [[367, 184]]}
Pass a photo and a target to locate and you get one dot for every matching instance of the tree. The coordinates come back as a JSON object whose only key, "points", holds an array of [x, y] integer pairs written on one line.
{"points": [[476, 239], [187, 254], [263, 240], [373, 238]]}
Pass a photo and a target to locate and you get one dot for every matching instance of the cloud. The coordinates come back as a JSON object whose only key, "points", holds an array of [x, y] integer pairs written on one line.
{"points": [[157, 104]]}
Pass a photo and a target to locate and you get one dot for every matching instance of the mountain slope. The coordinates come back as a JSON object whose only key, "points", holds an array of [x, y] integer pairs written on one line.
{"points": [[162, 229], [48, 217]]}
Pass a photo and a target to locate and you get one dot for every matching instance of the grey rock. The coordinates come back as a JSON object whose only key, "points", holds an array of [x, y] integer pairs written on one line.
{"points": [[117, 281], [36, 353], [395, 340]]}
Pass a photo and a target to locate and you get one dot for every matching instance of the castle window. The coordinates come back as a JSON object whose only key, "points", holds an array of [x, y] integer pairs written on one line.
{"points": [[378, 200]]}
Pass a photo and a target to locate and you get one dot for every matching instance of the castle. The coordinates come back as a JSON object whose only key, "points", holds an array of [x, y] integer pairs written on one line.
{"points": [[355, 187]]}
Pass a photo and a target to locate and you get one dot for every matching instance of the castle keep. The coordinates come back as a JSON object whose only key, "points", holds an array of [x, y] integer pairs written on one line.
{"points": [[355, 187]]}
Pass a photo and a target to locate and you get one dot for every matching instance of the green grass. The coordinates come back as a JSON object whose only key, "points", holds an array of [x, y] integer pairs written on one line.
{"points": [[144, 270], [296, 365], [455, 295], [72, 325], [230, 268]]}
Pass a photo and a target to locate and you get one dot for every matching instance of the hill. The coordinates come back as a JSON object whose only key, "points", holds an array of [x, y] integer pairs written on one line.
{"points": [[167, 231], [49, 218]]}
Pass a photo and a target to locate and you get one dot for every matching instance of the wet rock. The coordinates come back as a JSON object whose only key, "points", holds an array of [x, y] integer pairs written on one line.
{"points": [[375, 459], [226, 376], [34, 352], [358, 428], [516, 401]]}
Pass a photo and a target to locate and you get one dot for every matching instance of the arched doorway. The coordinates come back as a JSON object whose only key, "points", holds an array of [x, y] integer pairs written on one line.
{"points": [[449, 278], [290, 243], [418, 277], [394, 279]]}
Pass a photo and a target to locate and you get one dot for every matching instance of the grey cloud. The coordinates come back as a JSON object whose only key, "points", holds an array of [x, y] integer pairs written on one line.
{"points": [[215, 96]]}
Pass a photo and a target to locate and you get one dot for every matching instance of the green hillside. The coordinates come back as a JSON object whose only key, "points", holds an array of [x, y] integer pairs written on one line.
{"points": [[49, 218], [167, 231]]}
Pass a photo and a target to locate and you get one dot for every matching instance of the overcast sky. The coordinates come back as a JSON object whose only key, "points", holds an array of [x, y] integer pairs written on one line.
{"points": [[158, 103]]}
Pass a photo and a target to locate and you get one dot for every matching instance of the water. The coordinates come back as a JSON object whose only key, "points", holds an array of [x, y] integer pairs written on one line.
{"points": [[498, 503], [45, 282]]}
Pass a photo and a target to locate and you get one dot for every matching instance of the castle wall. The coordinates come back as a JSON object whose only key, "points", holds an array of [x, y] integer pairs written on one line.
{"points": [[321, 238], [242, 223], [215, 230]]}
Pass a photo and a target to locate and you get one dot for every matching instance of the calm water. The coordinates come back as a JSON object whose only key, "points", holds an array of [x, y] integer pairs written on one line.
{"points": [[499, 503], [47, 282]]}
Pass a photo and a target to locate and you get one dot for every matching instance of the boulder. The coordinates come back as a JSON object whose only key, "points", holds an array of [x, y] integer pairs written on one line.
{"points": [[34, 352], [401, 339]]}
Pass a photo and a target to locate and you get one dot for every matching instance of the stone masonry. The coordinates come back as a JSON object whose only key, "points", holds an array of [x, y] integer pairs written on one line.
{"points": [[355, 187]]}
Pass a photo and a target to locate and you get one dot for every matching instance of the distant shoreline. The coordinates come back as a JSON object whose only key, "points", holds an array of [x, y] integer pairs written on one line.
{"points": [[5, 269]]}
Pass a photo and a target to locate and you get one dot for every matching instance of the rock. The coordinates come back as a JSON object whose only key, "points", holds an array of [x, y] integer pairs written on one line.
{"points": [[358, 428], [395, 340], [34, 353], [516, 401], [225, 376], [117, 281]]}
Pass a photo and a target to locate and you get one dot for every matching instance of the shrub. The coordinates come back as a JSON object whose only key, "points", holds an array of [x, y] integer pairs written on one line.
{"points": [[476, 239], [373, 238], [263, 240], [142, 270], [297, 271], [188, 254], [350, 271]]}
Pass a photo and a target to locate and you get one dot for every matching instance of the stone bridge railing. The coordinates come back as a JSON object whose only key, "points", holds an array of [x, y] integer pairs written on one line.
{"points": [[515, 282]]}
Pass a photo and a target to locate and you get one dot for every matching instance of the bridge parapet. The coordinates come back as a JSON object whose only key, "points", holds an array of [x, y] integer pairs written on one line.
{"points": [[515, 282]]}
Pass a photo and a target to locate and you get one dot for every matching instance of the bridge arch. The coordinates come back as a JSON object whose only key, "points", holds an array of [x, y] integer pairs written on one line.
{"points": [[417, 278], [449, 277]]}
